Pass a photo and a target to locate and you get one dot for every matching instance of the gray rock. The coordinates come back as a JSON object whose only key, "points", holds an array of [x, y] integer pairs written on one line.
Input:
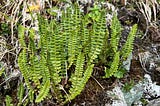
{"points": [[155, 102]]}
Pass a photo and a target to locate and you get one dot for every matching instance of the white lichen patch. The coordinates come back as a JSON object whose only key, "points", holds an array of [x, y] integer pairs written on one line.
{"points": [[145, 89], [117, 97], [151, 89]]}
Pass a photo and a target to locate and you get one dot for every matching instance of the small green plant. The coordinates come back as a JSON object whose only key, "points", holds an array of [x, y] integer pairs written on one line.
{"points": [[8, 101], [128, 86], [115, 53], [144, 101], [5, 31]]}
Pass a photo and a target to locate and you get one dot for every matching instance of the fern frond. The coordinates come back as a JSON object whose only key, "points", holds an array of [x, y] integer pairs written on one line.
{"points": [[115, 33], [46, 77], [105, 48], [21, 36], [74, 24], [51, 47], [56, 58], [79, 69], [76, 78], [77, 87], [35, 70], [44, 31], [97, 37], [20, 93], [44, 70], [85, 37], [24, 68], [128, 46], [43, 92], [31, 45], [31, 95], [114, 66]]}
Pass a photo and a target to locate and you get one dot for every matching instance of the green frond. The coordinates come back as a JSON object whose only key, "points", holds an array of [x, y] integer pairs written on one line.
{"points": [[73, 38], [35, 70], [79, 69], [76, 78], [56, 57], [44, 32], [115, 33], [31, 95], [114, 66], [43, 91], [21, 36], [31, 45], [20, 92], [34, 67], [85, 37], [79, 85], [128, 46], [105, 48], [44, 70], [23, 66], [97, 37]]}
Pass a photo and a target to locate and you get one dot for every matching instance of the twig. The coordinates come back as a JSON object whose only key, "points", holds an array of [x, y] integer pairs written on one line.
{"points": [[12, 24], [146, 15], [98, 83], [25, 97], [143, 63]]}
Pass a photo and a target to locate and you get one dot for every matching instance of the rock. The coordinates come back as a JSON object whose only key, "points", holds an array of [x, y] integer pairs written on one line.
{"points": [[117, 97], [155, 102]]}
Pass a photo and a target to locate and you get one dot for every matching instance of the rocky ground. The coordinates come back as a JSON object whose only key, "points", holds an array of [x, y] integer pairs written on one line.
{"points": [[140, 85]]}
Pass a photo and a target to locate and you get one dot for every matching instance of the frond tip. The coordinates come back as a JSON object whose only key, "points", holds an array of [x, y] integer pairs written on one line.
{"points": [[115, 33], [128, 47]]}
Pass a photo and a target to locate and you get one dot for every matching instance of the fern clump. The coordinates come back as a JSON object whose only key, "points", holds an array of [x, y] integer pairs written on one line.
{"points": [[60, 63], [62, 45]]}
